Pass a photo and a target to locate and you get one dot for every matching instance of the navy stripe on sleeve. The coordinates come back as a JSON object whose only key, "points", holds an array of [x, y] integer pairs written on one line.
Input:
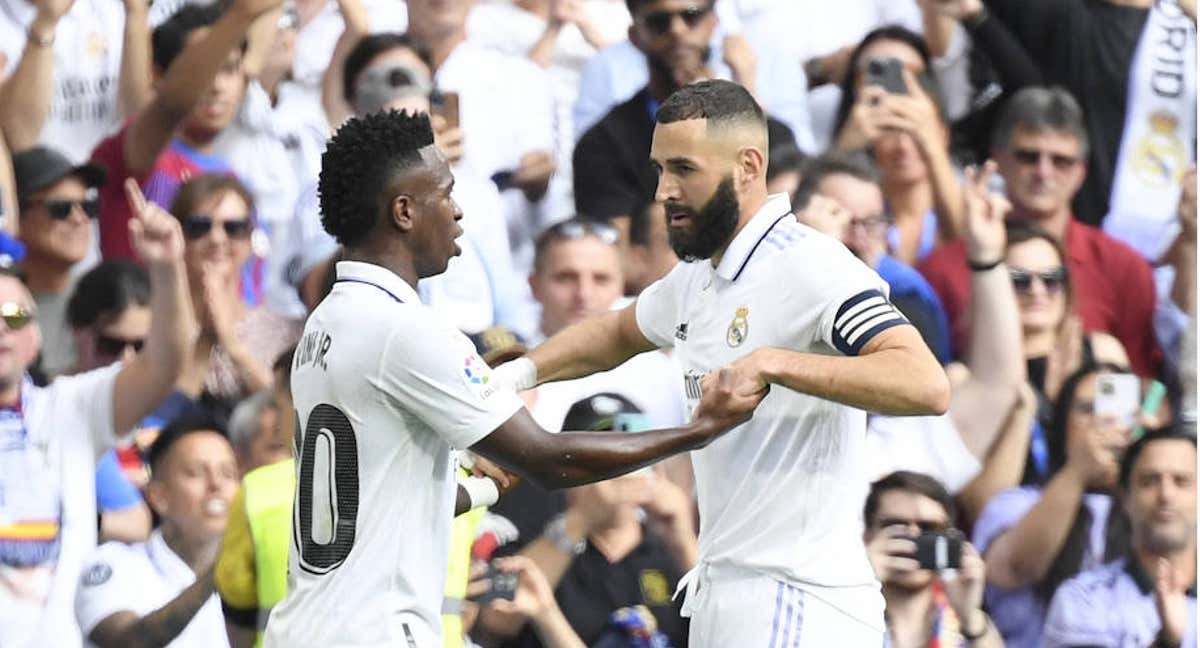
{"points": [[861, 318]]}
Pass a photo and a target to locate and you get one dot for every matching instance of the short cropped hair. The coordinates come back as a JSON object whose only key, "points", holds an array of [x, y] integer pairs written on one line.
{"points": [[106, 291], [243, 423], [1134, 451], [633, 5], [1040, 109], [173, 432], [199, 189], [908, 482], [170, 38], [722, 103], [857, 165], [358, 164]]}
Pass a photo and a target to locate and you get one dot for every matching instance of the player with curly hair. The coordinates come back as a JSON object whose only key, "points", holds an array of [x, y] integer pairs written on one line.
{"points": [[384, 389]]}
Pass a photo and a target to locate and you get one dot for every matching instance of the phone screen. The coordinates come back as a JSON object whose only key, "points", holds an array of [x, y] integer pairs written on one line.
{"points": [[1117, 396]]}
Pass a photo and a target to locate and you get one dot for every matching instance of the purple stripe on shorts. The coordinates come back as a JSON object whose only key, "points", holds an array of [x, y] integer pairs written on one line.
{"points": [[775, 622]]}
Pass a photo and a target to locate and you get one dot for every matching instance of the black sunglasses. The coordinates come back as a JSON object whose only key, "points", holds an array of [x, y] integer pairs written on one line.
{"points": [[15, 316], [1053, 280], [1030, 157], [114, 346], [195, 227], [659, 22], [61, 209]]}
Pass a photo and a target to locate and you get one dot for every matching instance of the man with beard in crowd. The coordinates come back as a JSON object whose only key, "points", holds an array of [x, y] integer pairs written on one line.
{"points": [[780, 557]]}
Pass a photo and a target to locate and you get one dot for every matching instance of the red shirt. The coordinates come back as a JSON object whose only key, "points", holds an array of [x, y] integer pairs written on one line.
{"points": [[1113, 284], [174, 166]]}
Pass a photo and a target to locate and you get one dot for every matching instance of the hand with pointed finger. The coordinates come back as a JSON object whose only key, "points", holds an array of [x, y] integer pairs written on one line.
{"points": [[155, 234]]}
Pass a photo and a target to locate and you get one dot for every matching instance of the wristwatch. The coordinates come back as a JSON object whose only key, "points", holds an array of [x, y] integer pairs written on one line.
{"points": [[556, 532]]}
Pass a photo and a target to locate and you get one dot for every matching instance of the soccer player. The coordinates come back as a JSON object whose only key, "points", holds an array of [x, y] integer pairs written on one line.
{"points": [[781, 562], [384, 388]]}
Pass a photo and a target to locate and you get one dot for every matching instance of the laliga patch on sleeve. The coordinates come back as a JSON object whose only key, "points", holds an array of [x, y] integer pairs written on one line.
{"points": [[97, 574], [478, 376]]}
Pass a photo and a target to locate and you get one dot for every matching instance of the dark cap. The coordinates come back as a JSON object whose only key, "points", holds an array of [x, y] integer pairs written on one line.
{"points": [[603, 412], [39, 167], [498, 344]]}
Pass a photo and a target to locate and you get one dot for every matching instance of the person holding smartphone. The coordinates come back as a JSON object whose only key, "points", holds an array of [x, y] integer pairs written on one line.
{"points": [[925, 607]]}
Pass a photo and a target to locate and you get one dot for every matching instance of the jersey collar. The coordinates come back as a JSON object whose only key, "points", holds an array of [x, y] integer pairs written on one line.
{"points": [[743, 245], [378, 276]]}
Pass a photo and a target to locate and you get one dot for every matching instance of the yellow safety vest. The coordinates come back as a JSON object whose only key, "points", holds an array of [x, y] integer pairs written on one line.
{"points": [[269, 492]]}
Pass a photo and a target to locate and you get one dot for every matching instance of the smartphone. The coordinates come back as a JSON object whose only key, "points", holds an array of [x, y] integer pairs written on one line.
{"points": [[887, 74], [1117, 395], [504, 586], [445, 104], [939, 550]]}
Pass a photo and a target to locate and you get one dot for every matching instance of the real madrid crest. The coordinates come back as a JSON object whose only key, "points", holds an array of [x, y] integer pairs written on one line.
{"points": [[739, 328]]}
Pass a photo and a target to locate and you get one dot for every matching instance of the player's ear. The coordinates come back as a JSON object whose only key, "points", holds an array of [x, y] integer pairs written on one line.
{"points": [[400, 211], [751, 164]]}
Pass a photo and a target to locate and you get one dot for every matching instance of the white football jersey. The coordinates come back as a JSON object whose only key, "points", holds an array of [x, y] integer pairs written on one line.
{"points": [[384, 388], [782, 494]]}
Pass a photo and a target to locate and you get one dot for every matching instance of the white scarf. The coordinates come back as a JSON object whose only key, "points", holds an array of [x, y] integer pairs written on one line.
{"points": [[1159, 141]]}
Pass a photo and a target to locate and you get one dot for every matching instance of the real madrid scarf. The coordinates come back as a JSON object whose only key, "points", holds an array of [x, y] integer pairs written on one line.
{"points": [[1158, 144]]}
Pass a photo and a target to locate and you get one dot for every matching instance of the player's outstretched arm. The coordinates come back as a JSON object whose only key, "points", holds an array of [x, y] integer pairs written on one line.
{"points": [[894, 374], [574, 458], [595, 344]]}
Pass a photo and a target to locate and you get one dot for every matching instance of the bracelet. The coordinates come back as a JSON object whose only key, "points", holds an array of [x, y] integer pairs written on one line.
{"points": [[556, 532], [481, 491], [976, 266]]}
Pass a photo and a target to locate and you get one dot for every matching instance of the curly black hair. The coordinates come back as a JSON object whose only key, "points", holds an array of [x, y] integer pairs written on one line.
{"points": [[360, 160]]}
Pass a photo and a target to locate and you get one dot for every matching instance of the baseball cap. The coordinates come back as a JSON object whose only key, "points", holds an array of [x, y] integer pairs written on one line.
{"points": [[606, 411], [498, 344], [380, 85], [39, 167]]}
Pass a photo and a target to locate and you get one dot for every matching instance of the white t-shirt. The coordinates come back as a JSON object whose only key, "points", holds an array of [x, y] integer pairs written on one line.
{"points": [[780, 495], [87, 65], [48, 504], [142, 578], [385, 389], [929, 445]]}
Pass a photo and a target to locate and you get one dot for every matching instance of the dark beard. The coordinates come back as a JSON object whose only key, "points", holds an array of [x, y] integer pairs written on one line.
{"points": [[710, 228]]}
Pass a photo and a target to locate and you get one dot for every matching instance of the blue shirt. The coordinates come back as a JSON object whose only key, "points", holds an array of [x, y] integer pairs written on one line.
{"points": [[909, 288], [1110, 606]]}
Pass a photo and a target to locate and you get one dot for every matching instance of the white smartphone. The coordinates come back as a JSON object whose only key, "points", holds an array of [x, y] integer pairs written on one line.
{"points": [[1117, 396]]}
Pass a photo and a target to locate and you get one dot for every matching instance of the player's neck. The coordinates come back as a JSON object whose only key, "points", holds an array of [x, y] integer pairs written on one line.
{"points": [[398, 264], [748, 206]]}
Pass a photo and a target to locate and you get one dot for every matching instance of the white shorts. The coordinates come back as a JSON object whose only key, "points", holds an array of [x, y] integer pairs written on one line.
{"points": [[761, 612]]}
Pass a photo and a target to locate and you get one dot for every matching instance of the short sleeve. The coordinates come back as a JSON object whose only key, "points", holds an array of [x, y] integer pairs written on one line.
{"points": [[657, 308], [113, 489], [434, 373], [1075, 617], [855, 308], [1001, 513], [235, 571], [109, 581]]}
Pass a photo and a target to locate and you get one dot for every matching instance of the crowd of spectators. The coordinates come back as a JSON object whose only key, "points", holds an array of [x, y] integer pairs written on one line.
{"points": [[1020, 172]]}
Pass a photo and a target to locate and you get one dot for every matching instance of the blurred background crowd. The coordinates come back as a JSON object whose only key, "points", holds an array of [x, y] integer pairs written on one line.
{"points": [[1067, 461]]}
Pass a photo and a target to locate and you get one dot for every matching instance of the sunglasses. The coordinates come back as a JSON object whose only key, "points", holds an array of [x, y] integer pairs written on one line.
{"points": [[110, 345], [923, 525], [571, 230], [195, 227], [1031, 157], [1052, 280], [660, 22], [61, 209], [15, 316]]}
